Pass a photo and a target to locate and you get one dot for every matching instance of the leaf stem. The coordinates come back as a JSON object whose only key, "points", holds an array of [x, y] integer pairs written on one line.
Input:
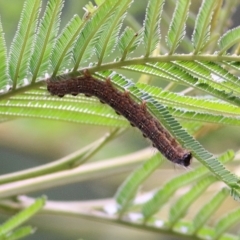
{"points": [[73, 160], [91, 210], [81, 173]]}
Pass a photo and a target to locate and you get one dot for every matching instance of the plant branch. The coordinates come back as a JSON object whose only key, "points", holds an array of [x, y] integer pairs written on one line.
{"points": [[93, 211], [84, 212], [71, 161], [82, 173]]}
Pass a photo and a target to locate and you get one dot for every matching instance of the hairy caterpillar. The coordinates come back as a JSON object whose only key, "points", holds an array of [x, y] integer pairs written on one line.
{"points": [[137, 114]]}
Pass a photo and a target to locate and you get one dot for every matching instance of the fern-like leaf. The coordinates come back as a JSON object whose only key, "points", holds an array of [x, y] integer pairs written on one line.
{"points": [[201, 32], [128, 189], [46, 38], [22, 216], [227, 221], [178, 100], [208, 209], [229, 39], [60, 58], [85, 45], [152, 25], [223, 90], [204, 117], [5, 81], [109, 33], [19, 233], [179, 72], [220, 75], [22, 46], [165, 193], [128, 42], [34, 104], [177, 27], [178, 210]]}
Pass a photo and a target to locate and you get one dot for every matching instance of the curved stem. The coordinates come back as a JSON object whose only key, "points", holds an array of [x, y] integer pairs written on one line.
{"points": [[92, 210], [129, 62], [68, 162], [81, 173]]}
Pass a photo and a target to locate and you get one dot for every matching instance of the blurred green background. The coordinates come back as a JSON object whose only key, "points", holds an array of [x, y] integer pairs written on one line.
{"points": [[25, 143]]}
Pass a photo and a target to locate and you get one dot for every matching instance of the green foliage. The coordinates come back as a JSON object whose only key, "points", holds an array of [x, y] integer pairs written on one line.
{"points": [[208, 209], [45, 39], [201, 34], [152, 25], [129, 41], [98, 42], [177, 29], [90, 34], [7, 230], [229, 39], [165, 193], [22, 45], [129, 188], [4, 78]]}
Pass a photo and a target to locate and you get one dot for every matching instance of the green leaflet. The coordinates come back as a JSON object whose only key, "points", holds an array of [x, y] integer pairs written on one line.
{"points": [[191, 108], [177, 29], [19, 233], [22, 45], [178, 100], [61, 56], [201, 32], [235, 193], [210, 74], [227, 221], [173, 73], [152, 25], [233, 65], [165, 193], [109, 32], [204, 233], [21, 217], [46, 39], [126, 38], [128, 189], [199, 109], [208, 209], [204, 117], [165, 71], [229, 39], [5, 81], [128, 42], [196, 76], [179, 208], [85, 45], [212, 78], [90, 8], [220, 75], [33, 104]]}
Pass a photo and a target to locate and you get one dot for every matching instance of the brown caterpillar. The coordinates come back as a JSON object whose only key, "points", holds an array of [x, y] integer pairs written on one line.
{"points": [[124, 105]]}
